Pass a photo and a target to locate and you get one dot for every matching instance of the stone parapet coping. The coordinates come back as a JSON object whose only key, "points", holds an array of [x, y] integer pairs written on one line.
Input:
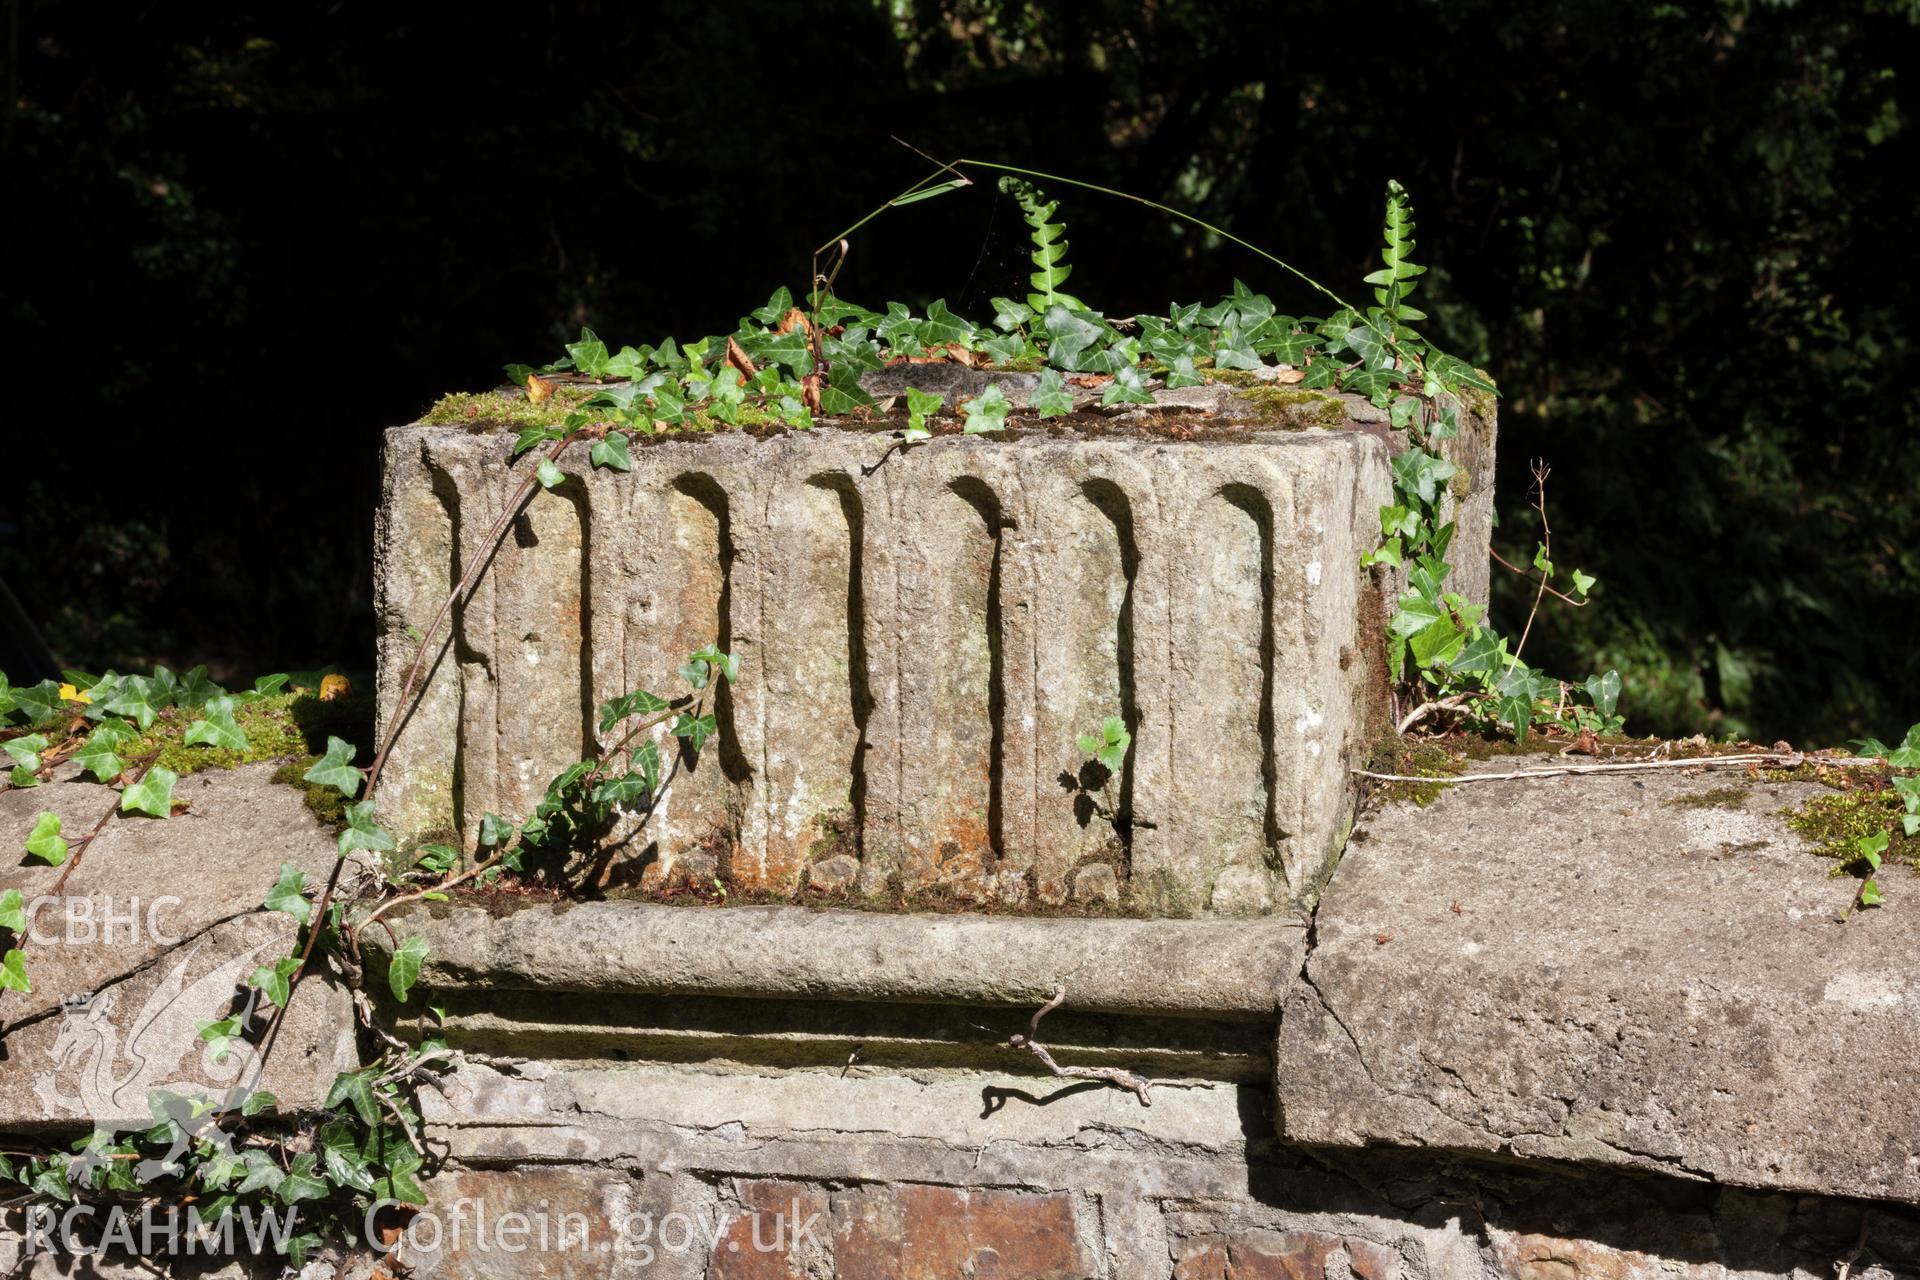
{"points": [[1218, 969]]}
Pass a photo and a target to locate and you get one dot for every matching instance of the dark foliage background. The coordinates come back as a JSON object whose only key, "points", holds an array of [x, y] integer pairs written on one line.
{"points": [[239, 239]]}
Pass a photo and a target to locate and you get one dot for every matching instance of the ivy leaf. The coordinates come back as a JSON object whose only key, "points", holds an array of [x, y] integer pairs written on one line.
{"points": [[336, 769], [1051, 399], [275, 980], [625, 789], [286, 894], [39, 702], [13, 972], [529, 438], [153, 794], [589, 355], [941, 326], [44, 842], [637, 703], [218, 729], [258, 1102], [1870, 894], [219, 1034], [140, 700], [646, 759], [921, 405], [550, 473], [987, 411], [362, 833], [25, 751], [355, 1089], [340, 1155], [1181, 373], [695, 729], [404, 969], [1419, 473], [1010, 315], [609, 452], [13, 912], [494, 830], [1605, 691], [301, 1182], [1582, 583], [1126, 388], [399, 1183], [843, 393], [262, 1172], [97, 757]]}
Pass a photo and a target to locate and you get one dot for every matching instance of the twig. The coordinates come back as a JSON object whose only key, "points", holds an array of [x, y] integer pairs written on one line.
{"points": [[1113, 1076], [1552, 591], [1420, 712], [1772, 759], [1540, 472]]}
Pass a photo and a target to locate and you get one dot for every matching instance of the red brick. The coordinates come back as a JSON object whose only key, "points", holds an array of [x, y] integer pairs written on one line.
{"points": [[939, 1233], [757, 1242], [1532, 1256]]}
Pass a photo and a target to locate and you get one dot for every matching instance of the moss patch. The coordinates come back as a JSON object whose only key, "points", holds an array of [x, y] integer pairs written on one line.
{"points": [[507, 406], [1835, 823], [327, 804], [269, 723], [1295, 410], [1718, 798], [1420, 759], [1234, 377]]}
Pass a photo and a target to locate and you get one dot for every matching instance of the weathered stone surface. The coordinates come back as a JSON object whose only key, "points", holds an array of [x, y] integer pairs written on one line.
{"points": [[778, 1231], [831, 875], [146, 885], [155, 930], [1285, 1255], [1097, 885], [1603, 969], [1209, 968], [923, 634]]}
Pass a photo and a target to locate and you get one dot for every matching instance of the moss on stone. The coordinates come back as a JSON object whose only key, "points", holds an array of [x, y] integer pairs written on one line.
{"points": [[327, 803], [1717, 798], [272, 732], [1835, 823], [1294, 409], [1419, 759], [1234, 377], [506, 406]]}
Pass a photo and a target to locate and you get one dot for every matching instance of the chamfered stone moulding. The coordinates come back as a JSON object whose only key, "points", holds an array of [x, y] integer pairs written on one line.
{"points": [[923, 633]]}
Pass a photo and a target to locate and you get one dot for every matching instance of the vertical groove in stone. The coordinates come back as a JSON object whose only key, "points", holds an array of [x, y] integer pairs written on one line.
{"points": [[1084, 674], [691, 565], [538, 617], [1224, 671], [812, 695], [950, 687], [418, 512]]}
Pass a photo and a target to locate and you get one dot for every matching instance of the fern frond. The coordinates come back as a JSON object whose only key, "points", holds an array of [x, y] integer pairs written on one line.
{"points": [[1393, 279], [1048, 247]]}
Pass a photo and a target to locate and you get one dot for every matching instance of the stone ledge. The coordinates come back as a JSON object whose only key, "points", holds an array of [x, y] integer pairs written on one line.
{"points": [[1200, 968], [155, 931], [1608, 970]]}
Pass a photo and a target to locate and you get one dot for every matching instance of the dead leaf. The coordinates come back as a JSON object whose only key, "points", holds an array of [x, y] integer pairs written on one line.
{"points": [[794, 319], [738, 359], [70, 694], [962, 356], [335, 687], [538, 388], [810, 392], [1292, 375]]}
